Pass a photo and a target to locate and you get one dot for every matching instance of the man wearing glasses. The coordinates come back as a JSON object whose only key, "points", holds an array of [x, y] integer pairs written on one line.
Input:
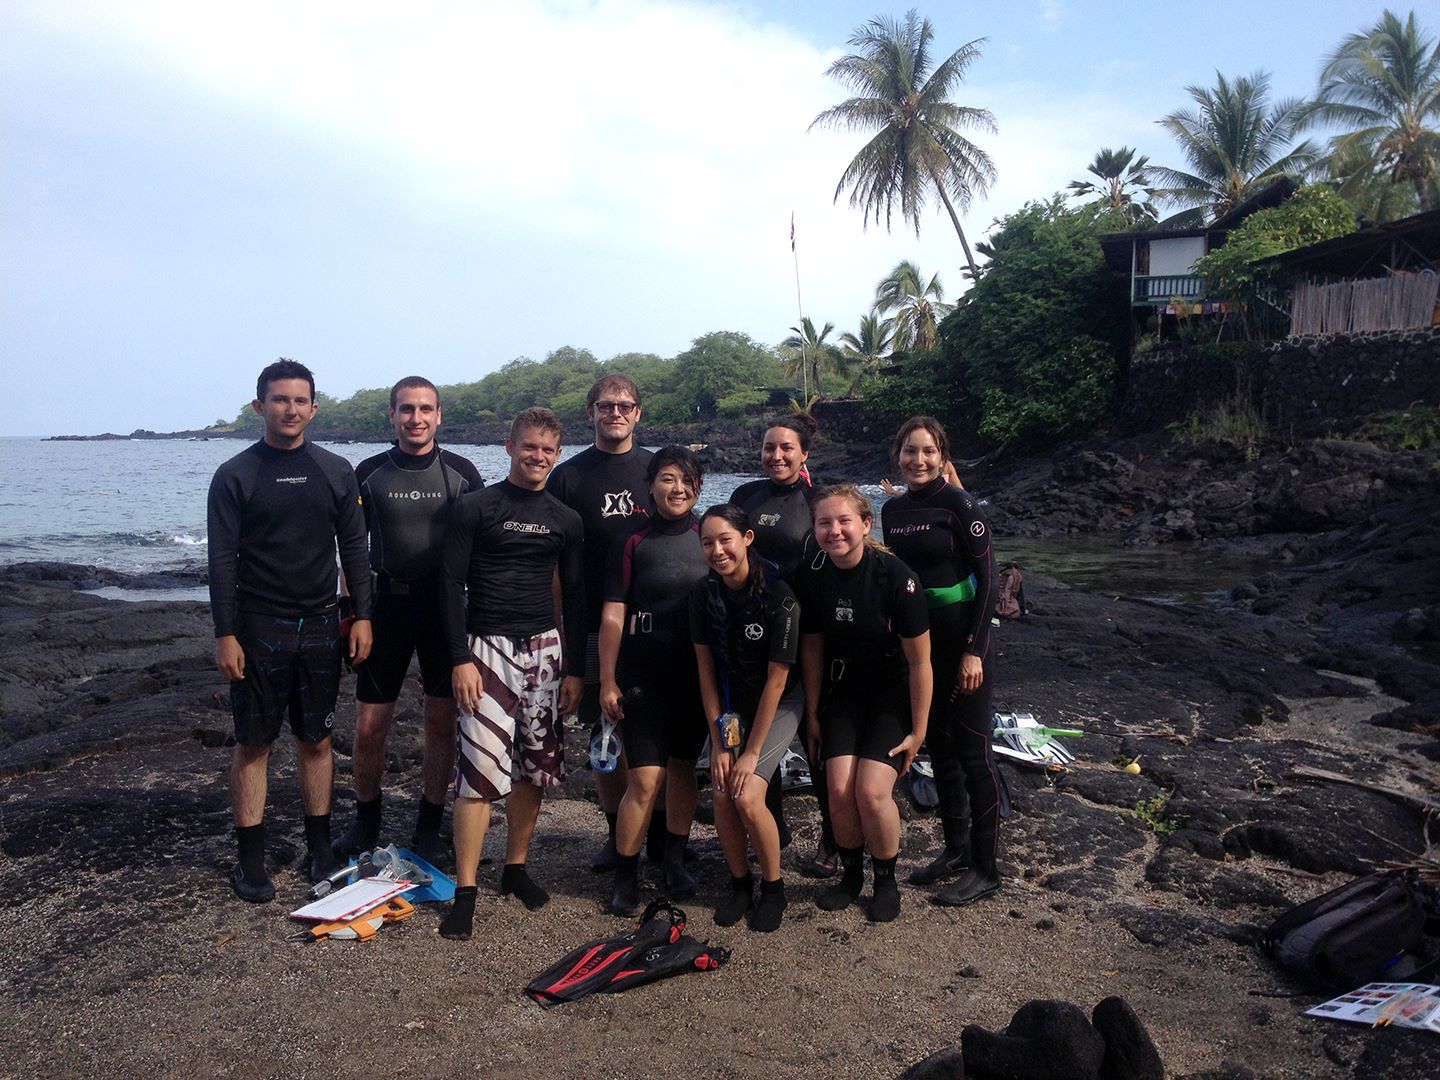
{"points": [[605, 485]]}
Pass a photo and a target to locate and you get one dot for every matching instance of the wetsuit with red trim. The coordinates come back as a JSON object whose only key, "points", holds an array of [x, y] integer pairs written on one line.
{"points": [[652, 574], [941, 533]]}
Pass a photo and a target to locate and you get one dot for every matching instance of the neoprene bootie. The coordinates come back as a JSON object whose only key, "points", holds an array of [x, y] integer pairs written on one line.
{"points": [[982, 879], [953, 858], [625, 897]]}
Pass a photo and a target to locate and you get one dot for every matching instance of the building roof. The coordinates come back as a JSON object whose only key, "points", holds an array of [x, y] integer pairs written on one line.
{"points": [[1411, 243]]}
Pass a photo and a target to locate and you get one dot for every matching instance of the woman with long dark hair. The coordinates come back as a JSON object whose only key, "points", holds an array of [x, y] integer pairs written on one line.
{"points": [[865, 656], [779, 510], [648, 679], [940, 531], [745, 624]]}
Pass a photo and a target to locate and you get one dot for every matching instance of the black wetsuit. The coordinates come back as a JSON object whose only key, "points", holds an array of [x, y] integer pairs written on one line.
{"points": [[274, 519], [941, 532], [652, 573], [408, 499], [609, 493], [862, 614], [747, 630], [502, 547], [781, 520]]}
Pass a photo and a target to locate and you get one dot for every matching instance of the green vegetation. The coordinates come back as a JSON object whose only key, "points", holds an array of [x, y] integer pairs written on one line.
{"points": [[1236, 272], [715, 377], [914, 147], [1383, 85], [1155, 814], [1040, 338], [1415, 428], [1121, 178], [1234, 142], [1234, 422]]}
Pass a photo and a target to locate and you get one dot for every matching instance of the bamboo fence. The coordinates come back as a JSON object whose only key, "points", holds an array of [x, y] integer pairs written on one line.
{"points": [[1398, 302]]}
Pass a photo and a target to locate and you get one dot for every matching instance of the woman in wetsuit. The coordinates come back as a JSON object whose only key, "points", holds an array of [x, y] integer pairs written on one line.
{"points": [[779, 511], [745, 624], [648, 680], [940, 531], [865, 656]]}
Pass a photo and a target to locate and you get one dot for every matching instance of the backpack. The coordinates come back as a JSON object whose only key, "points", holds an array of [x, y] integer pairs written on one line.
{"points": [[1010, 604], [1358, 933]]}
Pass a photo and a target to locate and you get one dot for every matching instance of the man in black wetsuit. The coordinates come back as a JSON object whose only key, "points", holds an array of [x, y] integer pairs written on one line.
{"points": [[512, 680], [408, 492], [605, 485], [276, 512]]}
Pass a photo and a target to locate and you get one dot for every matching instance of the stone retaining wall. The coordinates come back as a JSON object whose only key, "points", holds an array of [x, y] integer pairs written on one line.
{"points": [[1306, 385]]}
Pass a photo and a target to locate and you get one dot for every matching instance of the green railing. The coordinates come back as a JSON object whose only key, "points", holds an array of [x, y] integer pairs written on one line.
{"points": [[1159, 288]]}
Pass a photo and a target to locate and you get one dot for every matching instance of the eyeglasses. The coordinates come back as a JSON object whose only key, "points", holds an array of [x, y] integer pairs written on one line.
{"points": [[624, 408]]}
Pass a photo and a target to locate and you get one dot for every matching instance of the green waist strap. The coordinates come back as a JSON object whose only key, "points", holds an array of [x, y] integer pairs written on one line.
{"points": [[951, 594]]}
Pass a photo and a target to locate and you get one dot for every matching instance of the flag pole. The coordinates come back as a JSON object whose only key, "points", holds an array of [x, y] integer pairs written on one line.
{"points": [[800, 308]]}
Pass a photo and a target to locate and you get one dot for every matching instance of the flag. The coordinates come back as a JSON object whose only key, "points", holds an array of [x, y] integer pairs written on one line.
{"points": [[792, 232]]}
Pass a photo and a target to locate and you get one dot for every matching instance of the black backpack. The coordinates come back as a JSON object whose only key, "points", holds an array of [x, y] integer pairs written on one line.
{"points": [[1362, 932]]}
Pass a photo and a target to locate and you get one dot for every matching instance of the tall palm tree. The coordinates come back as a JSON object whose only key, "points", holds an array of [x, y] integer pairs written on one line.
{"points": [[917, 147], [1235, 142], [1384, 85], [866, 349], [919, 305], [1120, 176], [808, 354]]}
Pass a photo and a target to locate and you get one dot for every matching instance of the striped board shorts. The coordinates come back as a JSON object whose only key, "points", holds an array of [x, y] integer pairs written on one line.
{"points": [[516, 736]]}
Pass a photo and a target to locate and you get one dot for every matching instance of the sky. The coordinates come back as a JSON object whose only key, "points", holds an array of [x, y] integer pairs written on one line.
{"points": [[188, 191]]}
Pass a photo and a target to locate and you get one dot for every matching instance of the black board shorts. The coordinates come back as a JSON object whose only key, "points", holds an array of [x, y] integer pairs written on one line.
{"points": [[292, 670]]}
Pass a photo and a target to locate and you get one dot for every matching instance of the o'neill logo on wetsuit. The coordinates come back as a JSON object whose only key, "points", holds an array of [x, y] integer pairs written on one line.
{"points": [[617, 504], [526, 527], [844, 612]]}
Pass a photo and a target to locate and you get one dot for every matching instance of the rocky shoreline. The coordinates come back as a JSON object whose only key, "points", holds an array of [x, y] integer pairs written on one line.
{"points": [[125, 951]]}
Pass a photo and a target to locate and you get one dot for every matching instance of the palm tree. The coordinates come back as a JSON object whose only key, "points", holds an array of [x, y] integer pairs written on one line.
{"points": [[1384, 84], [1235, 143], [809, 353], [917, 147], [1119, 173], [866, 349], [919, 305]]}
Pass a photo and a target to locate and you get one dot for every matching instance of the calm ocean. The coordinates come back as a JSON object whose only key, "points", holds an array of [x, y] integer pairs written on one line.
{"points": [[139, 506]]}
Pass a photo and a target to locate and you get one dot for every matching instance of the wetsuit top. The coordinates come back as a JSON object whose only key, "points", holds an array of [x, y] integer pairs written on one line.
{"points": [[652, 573], [274, 519], [407, 501], [941, 532], [781, 519], [747, 630], [862, 612], [503, 546], [610, 494]]}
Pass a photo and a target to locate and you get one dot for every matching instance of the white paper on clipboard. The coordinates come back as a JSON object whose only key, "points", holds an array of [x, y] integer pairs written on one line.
{"points": [[342, 905]]}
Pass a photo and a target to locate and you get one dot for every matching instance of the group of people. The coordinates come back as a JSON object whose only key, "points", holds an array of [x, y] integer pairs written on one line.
{"points": [[592, 585]]}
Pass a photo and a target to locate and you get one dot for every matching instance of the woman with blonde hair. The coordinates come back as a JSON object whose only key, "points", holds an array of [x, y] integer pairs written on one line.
{"points": [[865, 656]]}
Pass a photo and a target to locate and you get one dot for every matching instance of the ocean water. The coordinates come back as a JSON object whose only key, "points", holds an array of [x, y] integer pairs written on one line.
{"points": [[139, 506]]}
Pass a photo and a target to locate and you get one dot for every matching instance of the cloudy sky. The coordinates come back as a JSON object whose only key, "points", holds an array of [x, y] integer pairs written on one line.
{"points": [[188, 190]]}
